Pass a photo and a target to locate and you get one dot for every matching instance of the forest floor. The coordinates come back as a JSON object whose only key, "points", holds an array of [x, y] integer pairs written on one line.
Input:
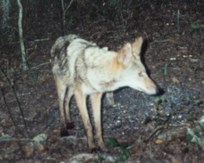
{"points": [[139, 128]]}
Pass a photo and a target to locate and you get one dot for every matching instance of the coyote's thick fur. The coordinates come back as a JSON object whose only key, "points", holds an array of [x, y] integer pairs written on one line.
{"points": [[82, 68]]}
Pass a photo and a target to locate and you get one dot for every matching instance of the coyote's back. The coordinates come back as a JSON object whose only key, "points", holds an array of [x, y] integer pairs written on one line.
{"points": [[64, 58]]}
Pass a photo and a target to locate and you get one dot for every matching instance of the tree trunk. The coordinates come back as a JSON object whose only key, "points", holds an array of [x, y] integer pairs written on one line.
{"points": [[5, 5], [20, 30]]}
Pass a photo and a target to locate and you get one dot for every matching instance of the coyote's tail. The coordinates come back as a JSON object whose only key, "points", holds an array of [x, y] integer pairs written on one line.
{"points": [[61, 43]]}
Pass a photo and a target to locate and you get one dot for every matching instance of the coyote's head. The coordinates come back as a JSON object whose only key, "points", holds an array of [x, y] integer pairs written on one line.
{"points": [[133, 73]]}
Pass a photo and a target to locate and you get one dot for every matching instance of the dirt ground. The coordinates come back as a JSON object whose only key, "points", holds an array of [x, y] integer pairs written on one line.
{"points": [[138, 128]]}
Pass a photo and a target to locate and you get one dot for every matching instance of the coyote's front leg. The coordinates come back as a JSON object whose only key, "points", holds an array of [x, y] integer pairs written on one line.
{"points": [[96, 106], [81, 103]]}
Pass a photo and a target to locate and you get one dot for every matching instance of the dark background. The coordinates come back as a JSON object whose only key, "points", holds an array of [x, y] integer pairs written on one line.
{"points": [[156, 128]]}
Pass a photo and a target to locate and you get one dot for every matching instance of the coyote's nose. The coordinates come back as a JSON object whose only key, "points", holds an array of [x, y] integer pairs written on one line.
{"points": [[159, 91], [155, 91]]}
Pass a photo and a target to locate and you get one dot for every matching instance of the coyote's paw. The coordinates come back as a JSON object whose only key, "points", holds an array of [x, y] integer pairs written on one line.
{"points": [[64, 132], [70, 125], [103, 147], [99, 149]]}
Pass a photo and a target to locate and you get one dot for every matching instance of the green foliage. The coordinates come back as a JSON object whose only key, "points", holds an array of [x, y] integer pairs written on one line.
{"points": [[99, 159], [195, 26], [115, 3], [195, 135], [10, 72], [70, 21], [5, 137], [39, 138], [167, 2], [160, 100], [123, 156], [33, 76], [112, 142], [166, 69], [124, 153], [194, 101]]}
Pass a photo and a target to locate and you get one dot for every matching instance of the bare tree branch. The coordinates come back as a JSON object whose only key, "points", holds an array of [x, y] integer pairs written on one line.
{"points": [[17, 101], [64, 11], [20, 30], [70, 3]]}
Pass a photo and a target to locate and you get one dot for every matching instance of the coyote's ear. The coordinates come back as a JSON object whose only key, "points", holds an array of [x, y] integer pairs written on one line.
{"points": [[136, 46], [125, 54]]}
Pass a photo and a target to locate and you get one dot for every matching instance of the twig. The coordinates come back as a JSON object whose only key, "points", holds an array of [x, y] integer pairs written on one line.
{"points": [[63, 17], [154, 132], [157, 129], [18, 140], [178, 21], [64, 11], [40, 40], [42, 64], [166, 40], [17, 42], [69, 6], [17, 101], [10, 113]]}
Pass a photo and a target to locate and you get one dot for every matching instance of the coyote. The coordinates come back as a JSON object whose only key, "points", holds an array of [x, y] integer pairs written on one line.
{"points": [[82, 68]]}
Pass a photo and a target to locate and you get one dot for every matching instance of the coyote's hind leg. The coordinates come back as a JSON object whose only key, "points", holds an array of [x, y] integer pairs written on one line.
{"points": [[61, 91], [69, 94], [110, 99]]}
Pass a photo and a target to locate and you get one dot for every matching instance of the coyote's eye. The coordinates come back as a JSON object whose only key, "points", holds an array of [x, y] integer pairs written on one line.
{"points": [[140, 74]]}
